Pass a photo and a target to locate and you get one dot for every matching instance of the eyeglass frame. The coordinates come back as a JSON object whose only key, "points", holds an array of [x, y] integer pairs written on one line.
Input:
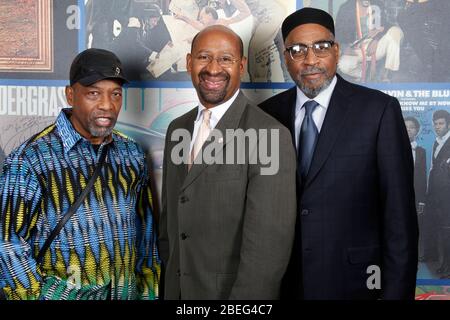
{"points": [[218, 60], [310, 46]]}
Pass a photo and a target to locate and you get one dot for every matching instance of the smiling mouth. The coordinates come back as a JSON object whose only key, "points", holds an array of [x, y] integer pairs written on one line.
{"points": [[213, 84]]}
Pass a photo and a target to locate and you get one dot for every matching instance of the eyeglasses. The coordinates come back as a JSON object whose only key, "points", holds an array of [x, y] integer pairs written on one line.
{"points": [[321, 49], [223, 61]]}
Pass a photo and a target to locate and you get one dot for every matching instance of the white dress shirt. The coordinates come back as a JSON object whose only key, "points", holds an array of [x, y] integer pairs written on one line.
{"points": [[413, 148], [323, 99], [217, 113]]}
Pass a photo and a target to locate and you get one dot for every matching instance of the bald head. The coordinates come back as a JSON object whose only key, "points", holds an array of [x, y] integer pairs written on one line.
{"points": [[216, 64], [219, 29]]}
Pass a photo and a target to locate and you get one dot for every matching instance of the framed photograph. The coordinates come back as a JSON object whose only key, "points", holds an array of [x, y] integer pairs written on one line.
{"points": [[26, 36]]}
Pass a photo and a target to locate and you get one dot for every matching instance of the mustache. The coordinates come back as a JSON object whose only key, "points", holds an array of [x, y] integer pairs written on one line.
{"points": [[103, 114], [312, 70], [222, 75]]}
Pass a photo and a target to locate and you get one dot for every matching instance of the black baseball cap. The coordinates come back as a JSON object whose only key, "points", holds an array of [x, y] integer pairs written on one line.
{"points": [[93, 65]]}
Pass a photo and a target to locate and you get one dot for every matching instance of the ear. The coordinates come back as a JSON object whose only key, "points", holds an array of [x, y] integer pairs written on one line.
{"points": [[286, 57], [337, 52], [69, 95], [242, 65], [189, 63]]}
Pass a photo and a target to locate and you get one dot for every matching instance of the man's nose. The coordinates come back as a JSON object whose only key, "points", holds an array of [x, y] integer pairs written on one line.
{"points": [[106, 103], [214, 67], [310, 57]]}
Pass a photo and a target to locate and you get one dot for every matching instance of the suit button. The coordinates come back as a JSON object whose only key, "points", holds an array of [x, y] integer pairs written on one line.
{"points": [[184, 199], [304, 212], [178, 272], [183, 236]]}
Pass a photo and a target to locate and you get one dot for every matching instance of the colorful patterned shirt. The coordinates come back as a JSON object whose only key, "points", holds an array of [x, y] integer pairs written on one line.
{"points": [[107, 249]]}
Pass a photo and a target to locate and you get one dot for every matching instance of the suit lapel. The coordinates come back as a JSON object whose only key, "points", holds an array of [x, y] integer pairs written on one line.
{"points": [[435, 144], [189, 125], [445, 150], [333, 122], [230, 120], [287, 111]]}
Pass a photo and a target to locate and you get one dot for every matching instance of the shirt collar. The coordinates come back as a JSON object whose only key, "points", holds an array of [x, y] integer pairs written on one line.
{"points": [[323, 98], [218, 111], [414, 144], [443, 139], [69, 135]]}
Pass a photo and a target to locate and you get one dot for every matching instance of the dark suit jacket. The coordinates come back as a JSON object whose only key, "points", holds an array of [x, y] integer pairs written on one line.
{"points": [[420, 175], [356, 207], [226, 231], [439, 186]]}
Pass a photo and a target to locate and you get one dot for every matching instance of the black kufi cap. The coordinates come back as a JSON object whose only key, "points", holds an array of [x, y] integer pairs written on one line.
{"points": [[307, 15]]}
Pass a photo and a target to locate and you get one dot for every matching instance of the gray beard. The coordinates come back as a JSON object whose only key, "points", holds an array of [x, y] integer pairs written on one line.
{"points": [[313, 92], [99, 131]]}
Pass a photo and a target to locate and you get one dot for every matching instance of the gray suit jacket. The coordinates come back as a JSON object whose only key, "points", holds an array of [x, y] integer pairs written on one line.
{"points": [[226, 231]]}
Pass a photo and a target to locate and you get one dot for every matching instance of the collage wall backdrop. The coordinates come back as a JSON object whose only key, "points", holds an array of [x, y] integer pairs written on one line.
{"points": [[40, 38]]}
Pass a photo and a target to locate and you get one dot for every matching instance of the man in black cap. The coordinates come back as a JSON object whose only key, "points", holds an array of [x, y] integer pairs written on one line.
{"points": [[76, 216], [357, 228]]}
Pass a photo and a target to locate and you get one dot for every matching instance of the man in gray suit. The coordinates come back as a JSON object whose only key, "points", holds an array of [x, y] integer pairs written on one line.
{"points": [[226, 230]]}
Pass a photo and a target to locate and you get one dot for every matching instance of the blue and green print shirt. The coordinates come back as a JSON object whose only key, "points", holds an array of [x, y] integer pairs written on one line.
{"points": [[107, 250]]}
